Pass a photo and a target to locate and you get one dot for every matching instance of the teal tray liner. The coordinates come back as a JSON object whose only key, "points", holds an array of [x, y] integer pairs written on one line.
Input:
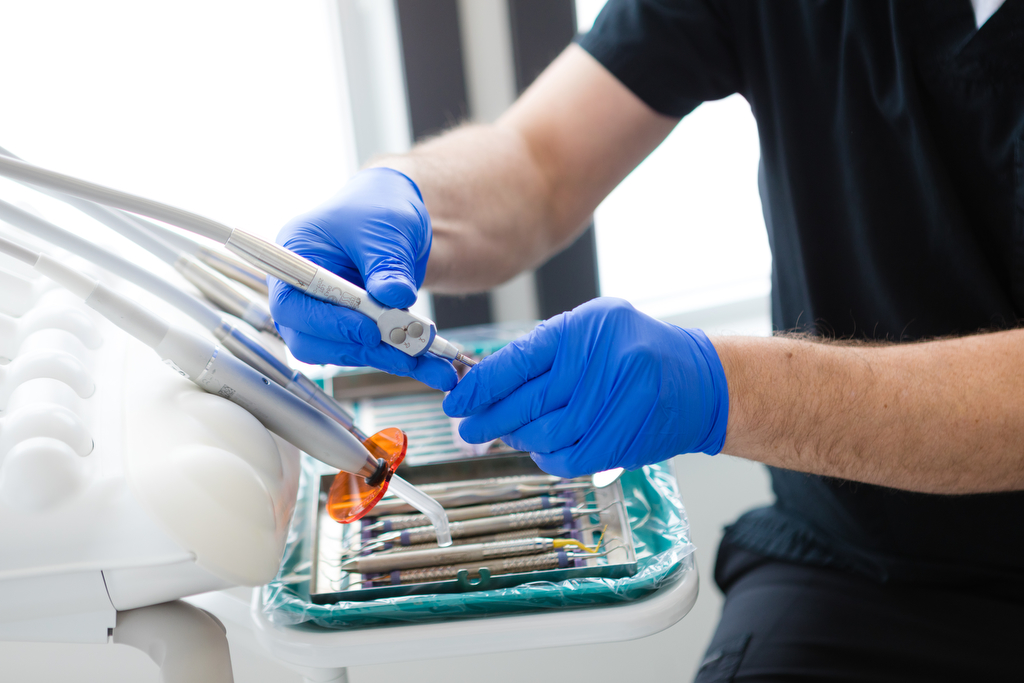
{"points": [[661, 534]]}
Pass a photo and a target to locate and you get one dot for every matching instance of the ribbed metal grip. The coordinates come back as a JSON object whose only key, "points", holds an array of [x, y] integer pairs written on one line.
{"points": [[490, 525], [272, 259], [398, 523], [480, 552], [490, 538], [510, 565]]}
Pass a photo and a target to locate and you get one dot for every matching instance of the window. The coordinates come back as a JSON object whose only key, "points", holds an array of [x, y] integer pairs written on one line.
{"points": [[230, 109], [684, 232]]}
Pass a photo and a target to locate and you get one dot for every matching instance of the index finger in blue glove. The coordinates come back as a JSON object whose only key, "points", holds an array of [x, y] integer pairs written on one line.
{"points": [[431, 370], [501, 373], [293, 309]]}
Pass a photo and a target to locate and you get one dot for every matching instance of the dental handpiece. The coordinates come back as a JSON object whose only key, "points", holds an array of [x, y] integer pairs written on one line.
{"points": [[558, 559], [406, 331], [489, 525], [225, 264], [237, 341], [433, 557], [399, 522], [199, 360], [221, 374]]}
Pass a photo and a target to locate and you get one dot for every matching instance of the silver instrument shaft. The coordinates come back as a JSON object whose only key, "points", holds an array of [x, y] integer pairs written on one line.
{"points": [[508, 565], [476, 552], [489, 525], [399, 522], [464, 497], [489, 538]]}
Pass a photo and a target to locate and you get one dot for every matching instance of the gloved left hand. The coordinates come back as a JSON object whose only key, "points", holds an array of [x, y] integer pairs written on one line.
{"points": [[599, 387]]}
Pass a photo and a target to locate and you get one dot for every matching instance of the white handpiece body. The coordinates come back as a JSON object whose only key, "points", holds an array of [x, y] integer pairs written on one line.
{"points": [[399, 328]]}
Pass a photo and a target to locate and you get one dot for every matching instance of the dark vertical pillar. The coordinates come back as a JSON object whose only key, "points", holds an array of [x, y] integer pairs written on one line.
{"points": [[436, 88], [541, 29]]}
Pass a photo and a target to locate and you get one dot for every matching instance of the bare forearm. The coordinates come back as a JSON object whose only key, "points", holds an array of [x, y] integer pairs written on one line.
{"points": [[489, 206], [939, 417], [504, 197]]}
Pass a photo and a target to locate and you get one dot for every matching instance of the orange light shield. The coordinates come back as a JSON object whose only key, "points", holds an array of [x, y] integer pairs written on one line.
{"points": [[350, 498]]}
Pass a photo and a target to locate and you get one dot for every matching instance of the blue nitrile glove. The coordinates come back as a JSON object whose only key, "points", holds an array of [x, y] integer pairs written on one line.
{"points": [[375, 233], [599, 387]]}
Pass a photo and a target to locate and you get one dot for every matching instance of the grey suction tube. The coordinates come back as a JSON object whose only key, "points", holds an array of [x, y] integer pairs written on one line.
{"points": [[41, 177], [183, 301]]}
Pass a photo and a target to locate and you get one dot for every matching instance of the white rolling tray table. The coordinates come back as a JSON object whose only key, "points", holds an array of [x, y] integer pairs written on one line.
{"points": [[323, 655]]}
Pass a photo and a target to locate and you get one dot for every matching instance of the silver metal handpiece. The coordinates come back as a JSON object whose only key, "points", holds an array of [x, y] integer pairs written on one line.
{"points": [[407, 332]]}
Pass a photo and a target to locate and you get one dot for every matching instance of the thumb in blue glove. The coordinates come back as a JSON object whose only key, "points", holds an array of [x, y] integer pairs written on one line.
{"points": [[599, 387], [376, 233]]}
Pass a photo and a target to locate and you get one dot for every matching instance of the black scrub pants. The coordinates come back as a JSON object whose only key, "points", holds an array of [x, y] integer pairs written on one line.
{"points": [[788, 622]]}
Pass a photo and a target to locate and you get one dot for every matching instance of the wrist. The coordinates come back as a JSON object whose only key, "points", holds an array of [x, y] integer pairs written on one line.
{"points": [[713, 385]]}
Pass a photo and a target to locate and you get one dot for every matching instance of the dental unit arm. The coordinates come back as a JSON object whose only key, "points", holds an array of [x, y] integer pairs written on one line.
{"points": [[227, 297], [221, 374], [234, 339], [406, 331]]}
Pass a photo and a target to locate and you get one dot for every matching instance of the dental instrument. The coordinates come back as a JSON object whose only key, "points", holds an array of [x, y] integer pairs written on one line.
{"points": [[236, 340], [225, 264], [489, 525], [280, 411], [559, 559], [524, 479], [459, 514], [488, 538], [476, 552], [496, 494], [409, 333]]}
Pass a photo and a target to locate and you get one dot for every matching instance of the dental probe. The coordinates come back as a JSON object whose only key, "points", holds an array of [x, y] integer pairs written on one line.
{"points": [[489, 538], [235, 340], [399, 522], [406, 331], [213, 286], [476, 552], [196, 359], [490, 525], [462, 497], [559, 559]]}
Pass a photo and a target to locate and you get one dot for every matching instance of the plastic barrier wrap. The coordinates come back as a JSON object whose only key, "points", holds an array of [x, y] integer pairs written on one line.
{"points": [[661, 534]]}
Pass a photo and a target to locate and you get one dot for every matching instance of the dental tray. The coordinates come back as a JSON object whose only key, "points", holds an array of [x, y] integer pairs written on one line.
{"points": [[647, 531], [607, 525]]}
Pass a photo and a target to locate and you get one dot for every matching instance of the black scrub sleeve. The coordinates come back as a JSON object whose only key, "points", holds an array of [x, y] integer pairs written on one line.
{"points": [[673, 54]]}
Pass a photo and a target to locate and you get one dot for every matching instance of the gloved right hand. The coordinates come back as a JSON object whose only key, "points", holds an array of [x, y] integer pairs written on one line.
{"points": [[375, 233]]}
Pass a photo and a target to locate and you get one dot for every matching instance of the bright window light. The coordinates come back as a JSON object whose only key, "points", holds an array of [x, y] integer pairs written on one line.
{"points": [[684, 231], [231, 109]]}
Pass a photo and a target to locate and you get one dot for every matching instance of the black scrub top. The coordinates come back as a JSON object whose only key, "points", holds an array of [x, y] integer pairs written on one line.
{"points": [[892, 181]]}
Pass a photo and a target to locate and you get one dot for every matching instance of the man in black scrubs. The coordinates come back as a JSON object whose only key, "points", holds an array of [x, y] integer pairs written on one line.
{"points": [[892, 179]]}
